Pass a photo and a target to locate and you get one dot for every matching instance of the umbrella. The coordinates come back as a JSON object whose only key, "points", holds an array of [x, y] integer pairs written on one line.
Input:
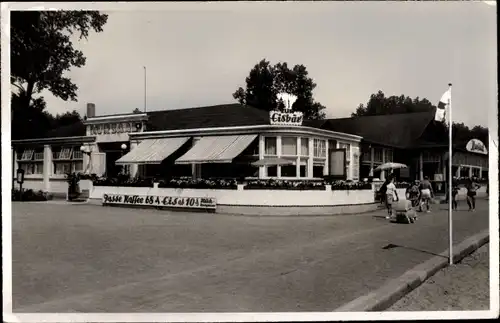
{"points": [[390, 166], [272, 162]]}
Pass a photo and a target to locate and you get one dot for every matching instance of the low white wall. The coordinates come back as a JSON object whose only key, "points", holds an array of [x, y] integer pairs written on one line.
{"points": [[35, 184], [242, 197], [58, 186]]}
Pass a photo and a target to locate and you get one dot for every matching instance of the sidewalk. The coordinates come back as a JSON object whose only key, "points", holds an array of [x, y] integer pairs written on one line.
{"points": [[462, 287]]}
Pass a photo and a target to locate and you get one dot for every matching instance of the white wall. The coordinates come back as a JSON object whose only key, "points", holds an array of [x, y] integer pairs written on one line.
{"points": [[242, 197]]}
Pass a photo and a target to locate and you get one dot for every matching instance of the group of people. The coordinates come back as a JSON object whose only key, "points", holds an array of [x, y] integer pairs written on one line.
{"points": [[420, 194]]}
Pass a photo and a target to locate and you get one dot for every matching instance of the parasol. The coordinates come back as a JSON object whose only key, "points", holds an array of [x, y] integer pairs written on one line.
{"points": [[390, 166]]}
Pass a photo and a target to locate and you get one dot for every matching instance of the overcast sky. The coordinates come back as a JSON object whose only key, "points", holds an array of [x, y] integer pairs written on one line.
{"points": [[199, 54]]}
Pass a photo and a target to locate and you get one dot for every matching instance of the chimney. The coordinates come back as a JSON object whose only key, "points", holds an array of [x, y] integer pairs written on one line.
{"points": [[90, 110]]}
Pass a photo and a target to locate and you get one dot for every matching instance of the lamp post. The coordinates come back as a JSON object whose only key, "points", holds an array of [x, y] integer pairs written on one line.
{"points": [[123, 147]]}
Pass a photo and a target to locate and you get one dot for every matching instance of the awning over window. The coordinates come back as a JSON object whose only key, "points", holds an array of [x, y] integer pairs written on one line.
{"points": [[152, 151], [216, 149]]}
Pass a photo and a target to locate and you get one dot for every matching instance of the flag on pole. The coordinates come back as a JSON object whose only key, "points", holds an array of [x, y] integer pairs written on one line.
{"points": [[442, 106]]}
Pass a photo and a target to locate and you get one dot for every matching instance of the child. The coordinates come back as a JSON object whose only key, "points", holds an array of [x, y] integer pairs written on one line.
{"points": [[472, 186]]}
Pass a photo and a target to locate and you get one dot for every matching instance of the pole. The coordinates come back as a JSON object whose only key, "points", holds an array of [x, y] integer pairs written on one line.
{"points": [[450, 181], [145, 87]]}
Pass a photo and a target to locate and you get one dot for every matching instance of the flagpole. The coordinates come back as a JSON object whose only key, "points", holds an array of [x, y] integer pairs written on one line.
{"points": [[450, 181]]}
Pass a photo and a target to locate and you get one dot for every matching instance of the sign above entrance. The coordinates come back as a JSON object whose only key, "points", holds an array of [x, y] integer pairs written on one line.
{"points": [[286, 118], [476, 146]]}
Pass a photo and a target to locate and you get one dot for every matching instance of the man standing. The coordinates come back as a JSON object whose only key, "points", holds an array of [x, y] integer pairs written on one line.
{"points": [[426, 192], [390, 194]]}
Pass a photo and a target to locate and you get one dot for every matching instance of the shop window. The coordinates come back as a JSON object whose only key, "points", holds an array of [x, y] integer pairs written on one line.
{"points": [[464, 171], [304, 162], [366, 156], [377, 155], [289, 146], [61, 168], [389, 155], [33, 168], [270, 146], [319, 146], [475, 172], [484, 173], [454, 171], [304, 146], [272, 171], [288, 171], [318, 171]]}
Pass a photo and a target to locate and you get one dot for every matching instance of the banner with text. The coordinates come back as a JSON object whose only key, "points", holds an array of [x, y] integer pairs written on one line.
{"points": [[160, 201]]}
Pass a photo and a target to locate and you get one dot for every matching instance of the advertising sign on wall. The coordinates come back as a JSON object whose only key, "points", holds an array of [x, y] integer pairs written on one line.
{"points": [[476, 146], [160, 201]]}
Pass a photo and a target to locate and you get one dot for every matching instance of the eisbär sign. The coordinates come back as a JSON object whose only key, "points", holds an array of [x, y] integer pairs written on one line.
{"points": [[287, 117], [209, 203], [476, 146]]}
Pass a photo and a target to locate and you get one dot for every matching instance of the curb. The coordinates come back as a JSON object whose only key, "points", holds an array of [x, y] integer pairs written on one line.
{"points": [[395, 289]]}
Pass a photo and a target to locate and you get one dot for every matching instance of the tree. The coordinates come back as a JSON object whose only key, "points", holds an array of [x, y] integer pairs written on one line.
{"points": [[136, 111], [265, 81], [379, 104], [42, 51]]}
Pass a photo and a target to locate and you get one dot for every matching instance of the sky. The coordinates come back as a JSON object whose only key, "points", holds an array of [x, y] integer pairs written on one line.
{"points": [[198, 54]]}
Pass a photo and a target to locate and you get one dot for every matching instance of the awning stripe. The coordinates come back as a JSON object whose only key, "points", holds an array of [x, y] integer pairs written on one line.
{"points": [[152, 151], [216, 149]]}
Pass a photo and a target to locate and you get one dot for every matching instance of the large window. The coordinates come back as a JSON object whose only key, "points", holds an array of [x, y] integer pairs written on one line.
{"points": [[67, 160], [319, 148], [389, 155], [464, 171], [270, 146], [475, 171], [377, 155], [289, 146], [31, 161], [304, 146]]}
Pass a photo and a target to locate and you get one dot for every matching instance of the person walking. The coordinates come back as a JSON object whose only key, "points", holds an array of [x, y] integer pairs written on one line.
{"points": [[390, 194], [413, 194], [426, 193], [454, 193], [472, 188]]}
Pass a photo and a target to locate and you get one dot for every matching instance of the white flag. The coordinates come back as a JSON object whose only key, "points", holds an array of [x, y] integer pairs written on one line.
{"points": [[442, 106]]}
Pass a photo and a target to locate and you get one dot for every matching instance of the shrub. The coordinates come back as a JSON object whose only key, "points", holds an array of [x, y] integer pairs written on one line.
{"points": [[349, 185], [275, 184], [123, 180], [228, 184], [30, 195]]}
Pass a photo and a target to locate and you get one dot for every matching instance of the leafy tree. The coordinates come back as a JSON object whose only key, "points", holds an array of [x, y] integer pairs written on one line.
{"points": [[265, 81], [41, 53], [379, 104]]}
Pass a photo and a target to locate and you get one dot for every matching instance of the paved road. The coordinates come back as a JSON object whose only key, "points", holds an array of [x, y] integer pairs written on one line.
{"points": [[462, 287], [86, 258]]}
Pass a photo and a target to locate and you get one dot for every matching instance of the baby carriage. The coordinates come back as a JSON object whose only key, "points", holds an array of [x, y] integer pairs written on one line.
{"points": [[403, 211]]}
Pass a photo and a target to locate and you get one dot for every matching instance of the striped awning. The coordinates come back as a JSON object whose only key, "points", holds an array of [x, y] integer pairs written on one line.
{"points": [[216, 149], [152, 151]]}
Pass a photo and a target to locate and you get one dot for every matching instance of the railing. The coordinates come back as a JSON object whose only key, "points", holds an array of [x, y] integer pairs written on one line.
{"points": [[38, 156], [77, 155]]}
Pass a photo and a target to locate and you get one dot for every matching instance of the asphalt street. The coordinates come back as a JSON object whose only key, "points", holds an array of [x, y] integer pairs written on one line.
{"points": [[85, 258]]}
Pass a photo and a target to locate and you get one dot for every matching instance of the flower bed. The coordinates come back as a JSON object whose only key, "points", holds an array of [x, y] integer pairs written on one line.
{"points": [[349, 185], [123, 181], [30, 196], [199, 183], [284, 185]]}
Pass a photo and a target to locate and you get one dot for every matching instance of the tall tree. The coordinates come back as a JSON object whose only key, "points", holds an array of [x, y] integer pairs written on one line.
{"points": [[265, 81], [42, 52], [380, 104]]}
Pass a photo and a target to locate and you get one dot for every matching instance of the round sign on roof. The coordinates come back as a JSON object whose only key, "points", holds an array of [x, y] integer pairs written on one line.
{"points": [[476, 146]]}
